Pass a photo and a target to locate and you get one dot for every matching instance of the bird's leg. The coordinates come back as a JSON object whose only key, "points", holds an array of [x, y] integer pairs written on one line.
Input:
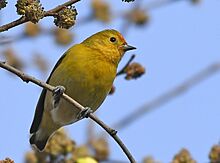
{"points": [[113, 131], [57, 93], [84, 113]]}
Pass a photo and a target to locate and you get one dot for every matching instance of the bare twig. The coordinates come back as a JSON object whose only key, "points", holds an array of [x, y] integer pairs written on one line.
{"points": [[122, 71], [158, 3], [10, 39], [167, 96], [28, 78], [5, 40], [23, 19]]}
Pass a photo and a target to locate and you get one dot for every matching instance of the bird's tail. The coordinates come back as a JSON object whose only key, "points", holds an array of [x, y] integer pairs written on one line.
{"points": [[39, 139]]}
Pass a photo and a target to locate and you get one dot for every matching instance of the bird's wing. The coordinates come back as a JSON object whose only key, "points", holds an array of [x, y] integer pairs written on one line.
{"points": [[40, 105]]}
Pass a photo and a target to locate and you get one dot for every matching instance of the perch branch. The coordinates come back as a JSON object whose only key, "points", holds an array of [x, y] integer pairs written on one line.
{"points": [[27, 78]]}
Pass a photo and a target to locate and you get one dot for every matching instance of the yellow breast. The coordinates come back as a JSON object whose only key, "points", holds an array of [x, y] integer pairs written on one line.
{"points": [[86, 77]]}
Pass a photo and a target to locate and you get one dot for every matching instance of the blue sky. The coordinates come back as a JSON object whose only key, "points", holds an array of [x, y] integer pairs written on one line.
{"points": [[179, 41]]}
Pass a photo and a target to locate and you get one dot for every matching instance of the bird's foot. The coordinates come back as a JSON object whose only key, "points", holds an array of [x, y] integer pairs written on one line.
{"points": [[113, 131], [84, 113], [57, 93]]}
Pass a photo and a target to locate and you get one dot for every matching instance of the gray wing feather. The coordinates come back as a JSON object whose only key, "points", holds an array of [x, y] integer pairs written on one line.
{"points": [[40, 105]]}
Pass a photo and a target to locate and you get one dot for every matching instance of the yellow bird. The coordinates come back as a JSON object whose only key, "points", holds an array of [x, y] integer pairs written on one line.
{"points": [[86, 73]]}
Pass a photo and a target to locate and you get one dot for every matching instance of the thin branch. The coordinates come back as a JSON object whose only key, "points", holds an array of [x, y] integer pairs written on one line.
{"points": [[19, 21], [167, 96], [23, 19], [28, 78], [122, 71], [6, 40], [10, 39], [158, 3]]}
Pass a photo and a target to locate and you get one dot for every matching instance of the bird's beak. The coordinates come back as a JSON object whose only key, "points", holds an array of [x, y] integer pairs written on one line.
{"points": [[127, 47]]}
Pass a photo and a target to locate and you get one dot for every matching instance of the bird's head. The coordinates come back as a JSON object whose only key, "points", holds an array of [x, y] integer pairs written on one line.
{"points": [[110, 43]]}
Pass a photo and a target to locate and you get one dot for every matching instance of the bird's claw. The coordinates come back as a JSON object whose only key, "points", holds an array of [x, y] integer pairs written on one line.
{"points": [[57, 93], [84, 113], [113, 132]]}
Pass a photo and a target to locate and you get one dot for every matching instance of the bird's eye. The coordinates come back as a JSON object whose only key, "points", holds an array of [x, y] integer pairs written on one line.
{"points": [[112, 39]]}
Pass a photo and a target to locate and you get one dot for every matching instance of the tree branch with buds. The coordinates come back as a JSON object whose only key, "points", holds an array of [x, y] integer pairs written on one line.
{"points": [[168, 96], [35, 17]]}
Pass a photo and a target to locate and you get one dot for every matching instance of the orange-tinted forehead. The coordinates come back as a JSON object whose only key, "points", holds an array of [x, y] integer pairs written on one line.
{"points": [[119, 35], [116, 34]]}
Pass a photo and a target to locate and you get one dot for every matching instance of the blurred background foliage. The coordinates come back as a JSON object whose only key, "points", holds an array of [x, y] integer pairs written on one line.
{"points": [[62, 148]]}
